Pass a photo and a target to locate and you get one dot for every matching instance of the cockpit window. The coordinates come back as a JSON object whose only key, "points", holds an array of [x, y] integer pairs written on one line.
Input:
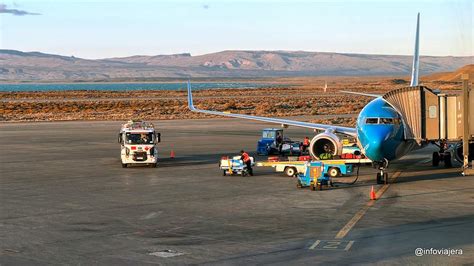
{"points": [[386, 121], [372, 121], [383, 121]]}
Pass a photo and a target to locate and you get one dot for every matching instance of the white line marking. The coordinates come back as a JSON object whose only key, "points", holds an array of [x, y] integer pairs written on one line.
{"points": [[315, 244], [349, 245]]}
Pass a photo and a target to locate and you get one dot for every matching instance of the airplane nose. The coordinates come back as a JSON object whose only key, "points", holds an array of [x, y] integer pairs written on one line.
{"points": [[374, 148]]}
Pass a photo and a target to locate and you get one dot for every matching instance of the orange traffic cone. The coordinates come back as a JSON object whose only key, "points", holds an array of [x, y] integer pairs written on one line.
{"points": [[172, 152], [372, 194]]}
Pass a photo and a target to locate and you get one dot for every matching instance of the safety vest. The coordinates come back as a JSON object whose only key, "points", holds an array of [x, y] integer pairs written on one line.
{"points": [[246, 157], [306, 142], [325, 156]]}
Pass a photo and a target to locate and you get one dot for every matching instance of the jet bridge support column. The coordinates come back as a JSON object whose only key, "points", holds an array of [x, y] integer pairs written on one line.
{"points": [[466, 133]]}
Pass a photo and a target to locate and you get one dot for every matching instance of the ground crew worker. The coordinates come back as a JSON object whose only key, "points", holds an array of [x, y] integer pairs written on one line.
{"points": [[247, 161], [279, 141], [144, 139], [327, 154], [305, 144]]}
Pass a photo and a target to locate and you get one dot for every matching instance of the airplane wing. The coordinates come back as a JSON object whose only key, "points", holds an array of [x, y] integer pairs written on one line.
{"points": [[362, 93], [284, 122]]}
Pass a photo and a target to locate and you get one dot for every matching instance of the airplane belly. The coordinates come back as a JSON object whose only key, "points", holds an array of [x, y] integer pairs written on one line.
{"points": [[407, 146]]}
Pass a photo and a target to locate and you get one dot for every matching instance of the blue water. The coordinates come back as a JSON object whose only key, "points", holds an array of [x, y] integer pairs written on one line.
{"points": [[128, 86]]}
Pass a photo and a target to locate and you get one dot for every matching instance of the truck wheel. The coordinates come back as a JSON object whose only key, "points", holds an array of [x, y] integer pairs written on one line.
{"points": [[333, 172], [244, 173], [290, 171], [153, 165], [124, 165], [224, 173], [312, 187], [447, 160], [435, 158], [319, 186]]}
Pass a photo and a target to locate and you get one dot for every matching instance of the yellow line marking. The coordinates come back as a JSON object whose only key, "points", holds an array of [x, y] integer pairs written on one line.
{"points": [[349, 245], [352, 222], [345, 230], [315, 244]]}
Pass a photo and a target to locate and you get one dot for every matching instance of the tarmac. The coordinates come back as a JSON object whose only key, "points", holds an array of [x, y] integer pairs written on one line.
{"points": [[65, 199]]}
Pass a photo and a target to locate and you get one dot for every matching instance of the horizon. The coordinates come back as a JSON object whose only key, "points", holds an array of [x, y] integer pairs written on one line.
{"points": [[195, 55], [113, 29]]}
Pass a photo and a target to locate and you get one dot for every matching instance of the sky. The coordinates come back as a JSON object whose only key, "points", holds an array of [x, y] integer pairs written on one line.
{"points": [[103, 29]]}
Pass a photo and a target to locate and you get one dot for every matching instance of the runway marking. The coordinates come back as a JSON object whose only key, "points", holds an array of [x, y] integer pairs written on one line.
{"points": [[167, 253], [352, 222], [316, 243], [332, 245], [349, 245]]}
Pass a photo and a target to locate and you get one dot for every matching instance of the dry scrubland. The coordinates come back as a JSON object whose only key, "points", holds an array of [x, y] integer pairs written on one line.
{"points": [[303, 97]]}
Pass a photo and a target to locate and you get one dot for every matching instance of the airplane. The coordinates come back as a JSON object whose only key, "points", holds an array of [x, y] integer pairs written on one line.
{"points": [[379, 129]]}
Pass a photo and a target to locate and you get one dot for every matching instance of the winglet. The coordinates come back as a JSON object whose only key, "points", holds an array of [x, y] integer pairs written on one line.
{"points": [[416, 55], [190, 98]]}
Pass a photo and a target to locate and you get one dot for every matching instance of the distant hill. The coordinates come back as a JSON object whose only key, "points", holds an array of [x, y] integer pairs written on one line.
{"points": [[36, 66], [454, 76]]}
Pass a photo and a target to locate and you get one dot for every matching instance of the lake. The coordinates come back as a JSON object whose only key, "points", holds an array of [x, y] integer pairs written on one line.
{"points": [[129, 86]]}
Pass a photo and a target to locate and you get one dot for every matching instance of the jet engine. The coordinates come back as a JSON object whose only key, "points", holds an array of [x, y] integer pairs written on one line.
{"points": [[326, 142]]}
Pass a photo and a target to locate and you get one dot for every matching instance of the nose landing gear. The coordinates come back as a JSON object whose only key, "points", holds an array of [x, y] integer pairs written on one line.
{"points": [[382, 176]]}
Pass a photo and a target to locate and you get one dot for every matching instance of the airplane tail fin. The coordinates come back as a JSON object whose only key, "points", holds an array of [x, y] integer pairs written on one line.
{"points": [[416, 55], [190, 98]]}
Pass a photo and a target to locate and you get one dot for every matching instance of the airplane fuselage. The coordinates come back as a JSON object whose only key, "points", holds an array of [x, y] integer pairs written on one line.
{"points": [[380, 132]]}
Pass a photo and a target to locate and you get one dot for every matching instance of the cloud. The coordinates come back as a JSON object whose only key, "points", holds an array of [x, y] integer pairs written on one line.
{"points": [[15, 12]]}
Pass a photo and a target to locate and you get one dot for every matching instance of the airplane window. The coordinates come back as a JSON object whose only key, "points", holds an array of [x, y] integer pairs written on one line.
{"points": [[397, 121], [386, 121], [372, 121]]}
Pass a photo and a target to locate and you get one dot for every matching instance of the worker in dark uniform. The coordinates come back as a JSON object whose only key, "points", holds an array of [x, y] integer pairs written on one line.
{"points": [[279, 142], [305, 144], [247, 161]]}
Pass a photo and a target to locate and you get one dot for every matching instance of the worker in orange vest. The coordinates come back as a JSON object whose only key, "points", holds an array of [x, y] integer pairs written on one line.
{"points": [[305, 144], [247, 161]]}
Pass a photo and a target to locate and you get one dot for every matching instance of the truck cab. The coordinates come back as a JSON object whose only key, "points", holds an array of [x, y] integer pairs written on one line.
{"points": [[138, 140], [273, 142], [270, 141]]}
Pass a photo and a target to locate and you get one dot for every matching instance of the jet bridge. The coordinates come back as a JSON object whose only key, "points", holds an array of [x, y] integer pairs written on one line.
{"points": [[430, 116], [419, 107]]}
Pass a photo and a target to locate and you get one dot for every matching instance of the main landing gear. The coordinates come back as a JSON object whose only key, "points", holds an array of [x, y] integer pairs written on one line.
{"points": [[382, 176], [443, 155]]}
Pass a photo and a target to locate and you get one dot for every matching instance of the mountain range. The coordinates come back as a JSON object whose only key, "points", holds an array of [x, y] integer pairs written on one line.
{"points": [[18, 66]]}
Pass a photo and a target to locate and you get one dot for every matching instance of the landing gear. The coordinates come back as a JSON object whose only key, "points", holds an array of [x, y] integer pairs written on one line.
{"points": [[447, 160], [443, 155], [382, 176], [436, 158]]}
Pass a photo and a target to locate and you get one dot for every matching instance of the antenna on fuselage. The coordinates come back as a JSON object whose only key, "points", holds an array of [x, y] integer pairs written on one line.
{"points": [[416, 55]]}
